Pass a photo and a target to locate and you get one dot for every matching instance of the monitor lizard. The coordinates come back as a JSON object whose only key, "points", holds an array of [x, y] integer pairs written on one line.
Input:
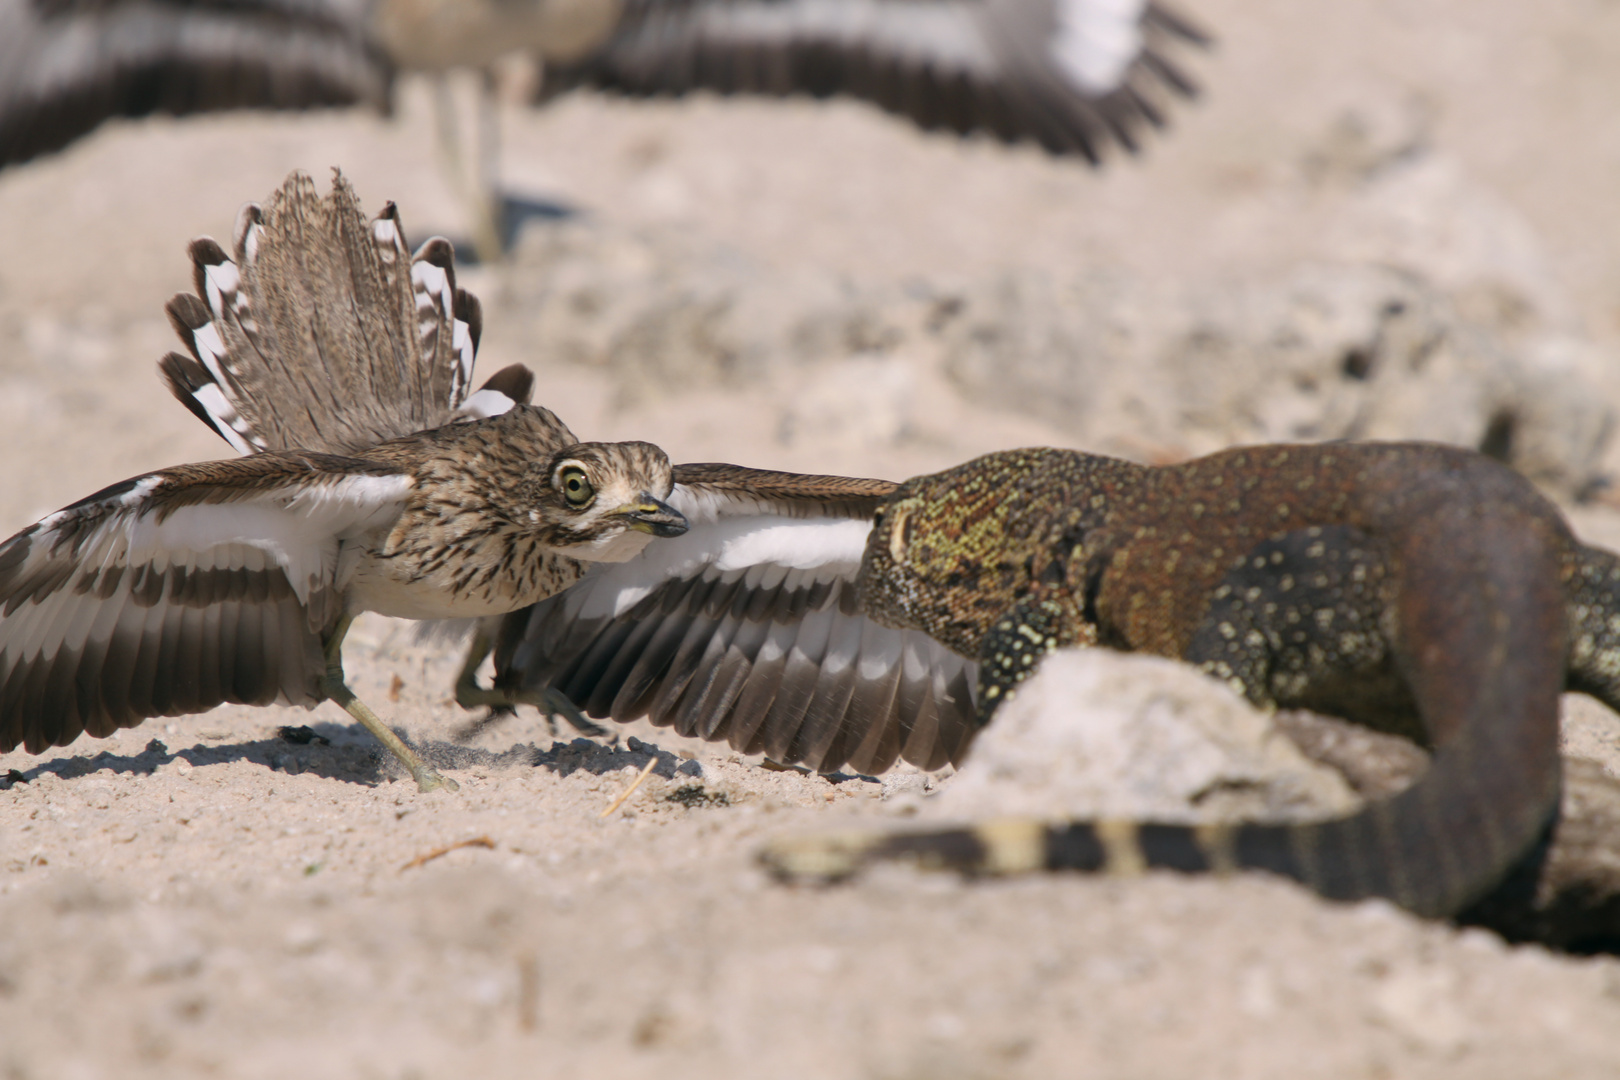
{"points": [[1419, 588]]}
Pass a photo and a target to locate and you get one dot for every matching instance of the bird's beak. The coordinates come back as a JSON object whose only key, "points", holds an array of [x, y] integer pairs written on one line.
{"points": [[652, 515]]}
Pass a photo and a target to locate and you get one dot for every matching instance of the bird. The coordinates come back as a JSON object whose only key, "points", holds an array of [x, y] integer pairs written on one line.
{"points": [[1073, 76], [747, 622], [236, 580]]}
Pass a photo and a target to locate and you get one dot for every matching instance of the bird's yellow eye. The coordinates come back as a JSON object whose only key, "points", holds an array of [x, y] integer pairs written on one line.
{"points": [[576, 487]]}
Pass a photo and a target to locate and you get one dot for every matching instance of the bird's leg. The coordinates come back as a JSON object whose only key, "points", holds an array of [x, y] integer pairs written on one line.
{"points": [[475, 185], [336, 687], [502, 701], [444, 117]]}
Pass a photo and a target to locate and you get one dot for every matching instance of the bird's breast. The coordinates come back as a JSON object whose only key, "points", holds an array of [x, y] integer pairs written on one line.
{"points": [[457, 579]]}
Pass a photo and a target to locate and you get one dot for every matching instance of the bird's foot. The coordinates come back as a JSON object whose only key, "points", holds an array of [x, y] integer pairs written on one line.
{"points": [[503, 702], [430, 779]]}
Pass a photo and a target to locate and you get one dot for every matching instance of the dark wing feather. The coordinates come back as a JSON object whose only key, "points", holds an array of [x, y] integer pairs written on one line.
{"points": [[747, 629], [67, 65], [178, 591], [324, 333], [1071, 75]]}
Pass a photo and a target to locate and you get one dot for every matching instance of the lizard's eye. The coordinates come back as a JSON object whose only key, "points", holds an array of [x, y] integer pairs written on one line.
{"points": [[900, 535], [576, 486]]}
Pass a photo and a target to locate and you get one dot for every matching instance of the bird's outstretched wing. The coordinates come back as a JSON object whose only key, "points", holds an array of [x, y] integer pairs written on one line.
{"points": [[1072, 75], [67, 65], [180, 590], [324, 332], [748, 629]]}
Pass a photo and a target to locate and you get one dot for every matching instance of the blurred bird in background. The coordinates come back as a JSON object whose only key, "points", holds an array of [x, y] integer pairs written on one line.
{"points": [[1073, 76]]}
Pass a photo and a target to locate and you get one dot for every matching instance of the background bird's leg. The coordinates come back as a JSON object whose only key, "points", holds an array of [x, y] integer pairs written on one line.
{"points": [[444, 124], [337, 688], [492, 237], [502, 701], [474, 181]]}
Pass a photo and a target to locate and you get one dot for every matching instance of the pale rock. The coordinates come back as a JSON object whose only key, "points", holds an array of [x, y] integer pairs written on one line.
{"points": [[1098, 733]]}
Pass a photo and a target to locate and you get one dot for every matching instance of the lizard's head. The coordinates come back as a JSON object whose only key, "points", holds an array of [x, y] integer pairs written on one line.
{"points": [[602, 502], [951, 551]]}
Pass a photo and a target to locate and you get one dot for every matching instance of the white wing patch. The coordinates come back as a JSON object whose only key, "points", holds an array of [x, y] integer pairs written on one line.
{"points": [[946, 34], [299, 527], [1097, 41], [728, 536]]}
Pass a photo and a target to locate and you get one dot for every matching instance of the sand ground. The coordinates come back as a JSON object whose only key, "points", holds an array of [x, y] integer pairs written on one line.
{"points": [[200, 897]]}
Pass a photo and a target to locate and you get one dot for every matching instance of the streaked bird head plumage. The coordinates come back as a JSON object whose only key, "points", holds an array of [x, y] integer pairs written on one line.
{"points": [[602, 502]]}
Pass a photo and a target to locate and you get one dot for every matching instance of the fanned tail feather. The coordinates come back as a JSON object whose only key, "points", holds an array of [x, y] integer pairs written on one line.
{"points": [[323, 332]]}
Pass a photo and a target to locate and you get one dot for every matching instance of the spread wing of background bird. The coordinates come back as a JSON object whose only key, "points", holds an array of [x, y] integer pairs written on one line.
{"points": [[1073, 75], [68, 65]]}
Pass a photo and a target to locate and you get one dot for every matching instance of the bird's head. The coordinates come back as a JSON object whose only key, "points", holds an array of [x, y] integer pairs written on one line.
{"points": [[602, 502]]}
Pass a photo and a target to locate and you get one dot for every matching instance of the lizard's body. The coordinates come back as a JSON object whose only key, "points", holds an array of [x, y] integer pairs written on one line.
{"points": [[1414, 587]]}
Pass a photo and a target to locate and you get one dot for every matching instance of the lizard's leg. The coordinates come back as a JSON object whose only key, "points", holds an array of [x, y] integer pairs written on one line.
{"points": [[1018, 641], [503, 700], [1594, 625], [336, 687]]}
